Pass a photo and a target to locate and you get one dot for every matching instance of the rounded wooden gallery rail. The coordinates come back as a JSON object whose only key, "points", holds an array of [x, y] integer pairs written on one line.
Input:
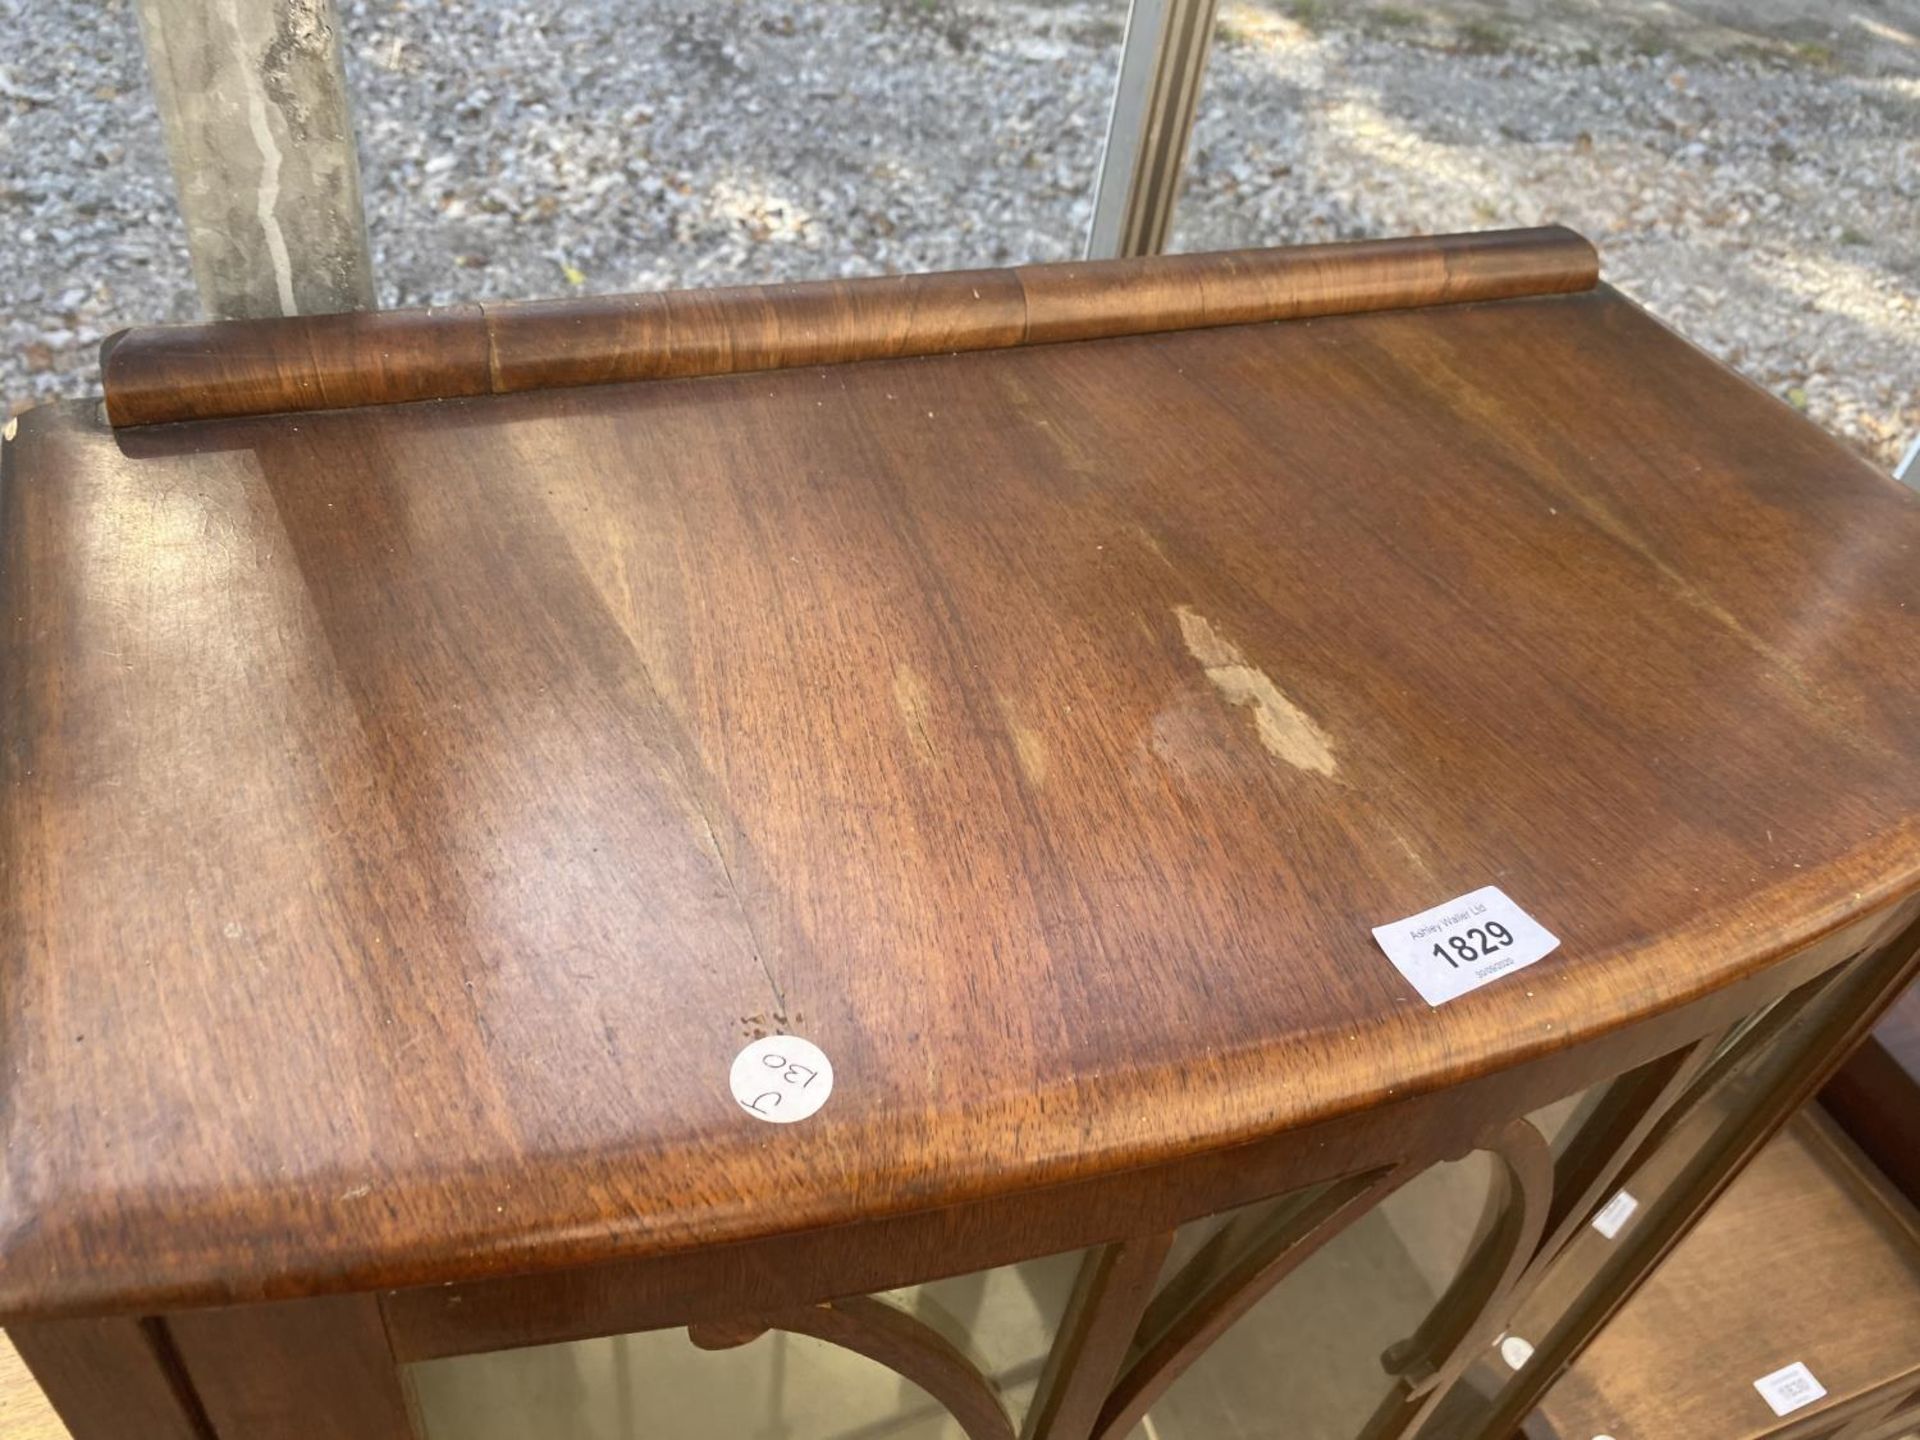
{"points": [[325, 362]]}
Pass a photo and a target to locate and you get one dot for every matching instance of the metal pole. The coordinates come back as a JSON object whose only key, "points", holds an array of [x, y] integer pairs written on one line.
{"points": [[1162, 62], [260, 132]]}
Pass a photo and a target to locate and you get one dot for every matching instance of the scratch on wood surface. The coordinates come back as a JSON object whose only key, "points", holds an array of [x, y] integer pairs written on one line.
{"points": [[1286, 730], [746, 915], [910, 694], [1032, 753], [1151, 542], [1413, 854], [1029, 744]]}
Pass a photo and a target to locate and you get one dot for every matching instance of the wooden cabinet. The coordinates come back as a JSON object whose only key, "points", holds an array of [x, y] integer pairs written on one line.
{"points": [[1031, 688]]}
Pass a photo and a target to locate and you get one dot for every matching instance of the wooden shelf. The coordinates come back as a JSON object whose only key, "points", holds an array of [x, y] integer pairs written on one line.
{"points": [[1810, 1256]]}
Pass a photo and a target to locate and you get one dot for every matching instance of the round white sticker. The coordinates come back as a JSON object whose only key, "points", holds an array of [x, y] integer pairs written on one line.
{"points": [[781, 1078], [1515, 1351]]}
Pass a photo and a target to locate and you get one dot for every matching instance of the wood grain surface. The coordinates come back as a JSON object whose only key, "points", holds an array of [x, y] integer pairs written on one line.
{"points": [[317, 1369], [322, 362], [409, 812], [111, 1377]]}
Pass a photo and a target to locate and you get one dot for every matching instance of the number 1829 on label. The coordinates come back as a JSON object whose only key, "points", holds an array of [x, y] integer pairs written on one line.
{"points": [[1463, 944]]}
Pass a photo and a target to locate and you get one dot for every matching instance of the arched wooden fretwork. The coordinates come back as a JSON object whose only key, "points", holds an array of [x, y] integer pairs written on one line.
{"points": [[889, 1335]]}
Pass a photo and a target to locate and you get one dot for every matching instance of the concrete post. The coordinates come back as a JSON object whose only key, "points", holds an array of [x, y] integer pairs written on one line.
{"points": [[254, 101], [1162, 62]]}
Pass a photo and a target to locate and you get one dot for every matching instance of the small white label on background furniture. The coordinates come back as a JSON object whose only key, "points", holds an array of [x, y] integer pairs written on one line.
{"points": [[1790, 1388], [1461, 945], [1615, 1213], [781, 1079]]}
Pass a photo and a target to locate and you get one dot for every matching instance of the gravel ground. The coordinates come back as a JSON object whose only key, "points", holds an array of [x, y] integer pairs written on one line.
{"points": [[1752, 172]]}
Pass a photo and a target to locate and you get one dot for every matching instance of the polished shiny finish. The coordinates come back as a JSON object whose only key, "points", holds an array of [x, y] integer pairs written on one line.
{"points": [[328, 362], [410, 811]]}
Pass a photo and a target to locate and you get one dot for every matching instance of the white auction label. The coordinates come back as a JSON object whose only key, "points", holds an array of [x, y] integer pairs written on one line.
{"points": [[781, 1078], [1790, 1388], [1615, 1213], [1461, 945]]}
